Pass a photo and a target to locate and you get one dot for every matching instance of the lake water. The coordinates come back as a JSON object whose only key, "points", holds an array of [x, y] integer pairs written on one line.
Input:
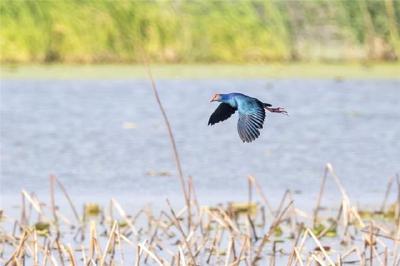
{"points": [[106, 138]]}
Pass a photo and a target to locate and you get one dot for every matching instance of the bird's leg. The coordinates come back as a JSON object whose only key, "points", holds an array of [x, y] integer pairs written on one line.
{"points": [[276, 110]]}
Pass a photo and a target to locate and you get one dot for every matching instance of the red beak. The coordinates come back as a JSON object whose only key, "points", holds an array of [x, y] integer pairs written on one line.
{"points": [[214, 98]]}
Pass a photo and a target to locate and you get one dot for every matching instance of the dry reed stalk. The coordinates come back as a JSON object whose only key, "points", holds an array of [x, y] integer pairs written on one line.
{"points": [[154, 235], [361, 256], [84, 258], [166, 226], [151, 248], [23, 219], [275, 223], [19, 249], [35, 249], [310, 260], [273, 257], [250, 190], [321, 247], [45, 255], [348, 252], [320, 261], [252, 227], [292, 253], [228, 251], [298, 248], [387, 192], [94, 249], [340, 262], [298, 257], [56, 222], [169, 128], [189, 207], [251, 232], [59, 247], [376, 255], [137, 215], [32, 202], [71, 256], [385, 257], [71, 204], [396, 247], [218, 235], [292, 216], [108, 244], [348, 210], [397, 206], [52, 199], [194, 195], [250, 246], [138, 255], [224, 223], [234, 240], [386, 232], [245, 244], [201, 246], [118, 243], [199, 224], [321, 192], [178, 226], [123, 214], [332, 225], [53, 260], [129, 242], [231, 226], [64, 219], [182, 257], [261, 193], [152, 255], [282, 202]]}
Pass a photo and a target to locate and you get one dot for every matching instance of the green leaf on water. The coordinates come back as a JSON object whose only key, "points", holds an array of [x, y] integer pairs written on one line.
{"points": [[92, 209], [390, 214], [332, 232], [243, 208], [278, 231], [42, 228], [318, 229], [122, 223]]}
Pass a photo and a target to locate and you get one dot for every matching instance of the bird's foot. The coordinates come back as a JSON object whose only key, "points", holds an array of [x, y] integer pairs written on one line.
{"points": [[277, 110]]}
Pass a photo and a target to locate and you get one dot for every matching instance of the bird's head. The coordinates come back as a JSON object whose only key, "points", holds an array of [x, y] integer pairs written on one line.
{"points": [[216, 98]]}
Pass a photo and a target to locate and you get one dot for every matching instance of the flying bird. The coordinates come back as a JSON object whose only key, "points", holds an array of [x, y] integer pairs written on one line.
{"points": [[251, 113]]}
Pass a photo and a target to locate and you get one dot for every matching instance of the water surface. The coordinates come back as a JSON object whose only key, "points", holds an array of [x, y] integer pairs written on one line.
{"points": [[106, 138]]}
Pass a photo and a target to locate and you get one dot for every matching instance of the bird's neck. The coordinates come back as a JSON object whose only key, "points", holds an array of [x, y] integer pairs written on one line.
{"points": [[226, 98]]}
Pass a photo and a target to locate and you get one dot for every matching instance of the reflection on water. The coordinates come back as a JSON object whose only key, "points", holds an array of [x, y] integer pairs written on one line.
{"points": [[107, 139]]}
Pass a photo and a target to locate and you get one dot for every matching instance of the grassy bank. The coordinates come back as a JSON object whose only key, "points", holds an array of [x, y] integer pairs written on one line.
{"points": [[293, 70], [198, 31]]}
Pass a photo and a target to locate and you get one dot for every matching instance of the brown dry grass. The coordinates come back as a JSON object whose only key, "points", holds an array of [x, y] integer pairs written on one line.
{"points": [[250, 233]]}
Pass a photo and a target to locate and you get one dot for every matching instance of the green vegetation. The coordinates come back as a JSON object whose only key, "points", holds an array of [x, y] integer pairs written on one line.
{"points": [[104, 31]]}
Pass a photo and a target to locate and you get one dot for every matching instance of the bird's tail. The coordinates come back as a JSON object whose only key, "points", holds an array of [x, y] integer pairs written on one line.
{"points": [[266, 105]]}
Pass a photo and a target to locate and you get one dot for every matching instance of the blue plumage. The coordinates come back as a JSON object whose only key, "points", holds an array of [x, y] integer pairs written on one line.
{"points": [[251, 113]]}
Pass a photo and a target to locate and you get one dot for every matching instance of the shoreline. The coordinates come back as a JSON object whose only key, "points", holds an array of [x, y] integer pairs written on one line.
{"points": [[336, 71]]}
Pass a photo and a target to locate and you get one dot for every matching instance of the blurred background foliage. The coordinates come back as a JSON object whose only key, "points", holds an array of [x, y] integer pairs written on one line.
{"points": [[180, 31]]}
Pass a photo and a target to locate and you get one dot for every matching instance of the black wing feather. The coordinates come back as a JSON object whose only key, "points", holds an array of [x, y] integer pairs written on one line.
{"points": [[223, 112]]}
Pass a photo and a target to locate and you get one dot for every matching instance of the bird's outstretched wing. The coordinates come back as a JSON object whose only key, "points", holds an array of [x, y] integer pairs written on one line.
{"points": [[250, 123], [223, 112]]}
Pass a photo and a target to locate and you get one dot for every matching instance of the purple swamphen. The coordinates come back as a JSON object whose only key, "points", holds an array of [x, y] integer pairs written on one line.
{"points": [[251, 113]]}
